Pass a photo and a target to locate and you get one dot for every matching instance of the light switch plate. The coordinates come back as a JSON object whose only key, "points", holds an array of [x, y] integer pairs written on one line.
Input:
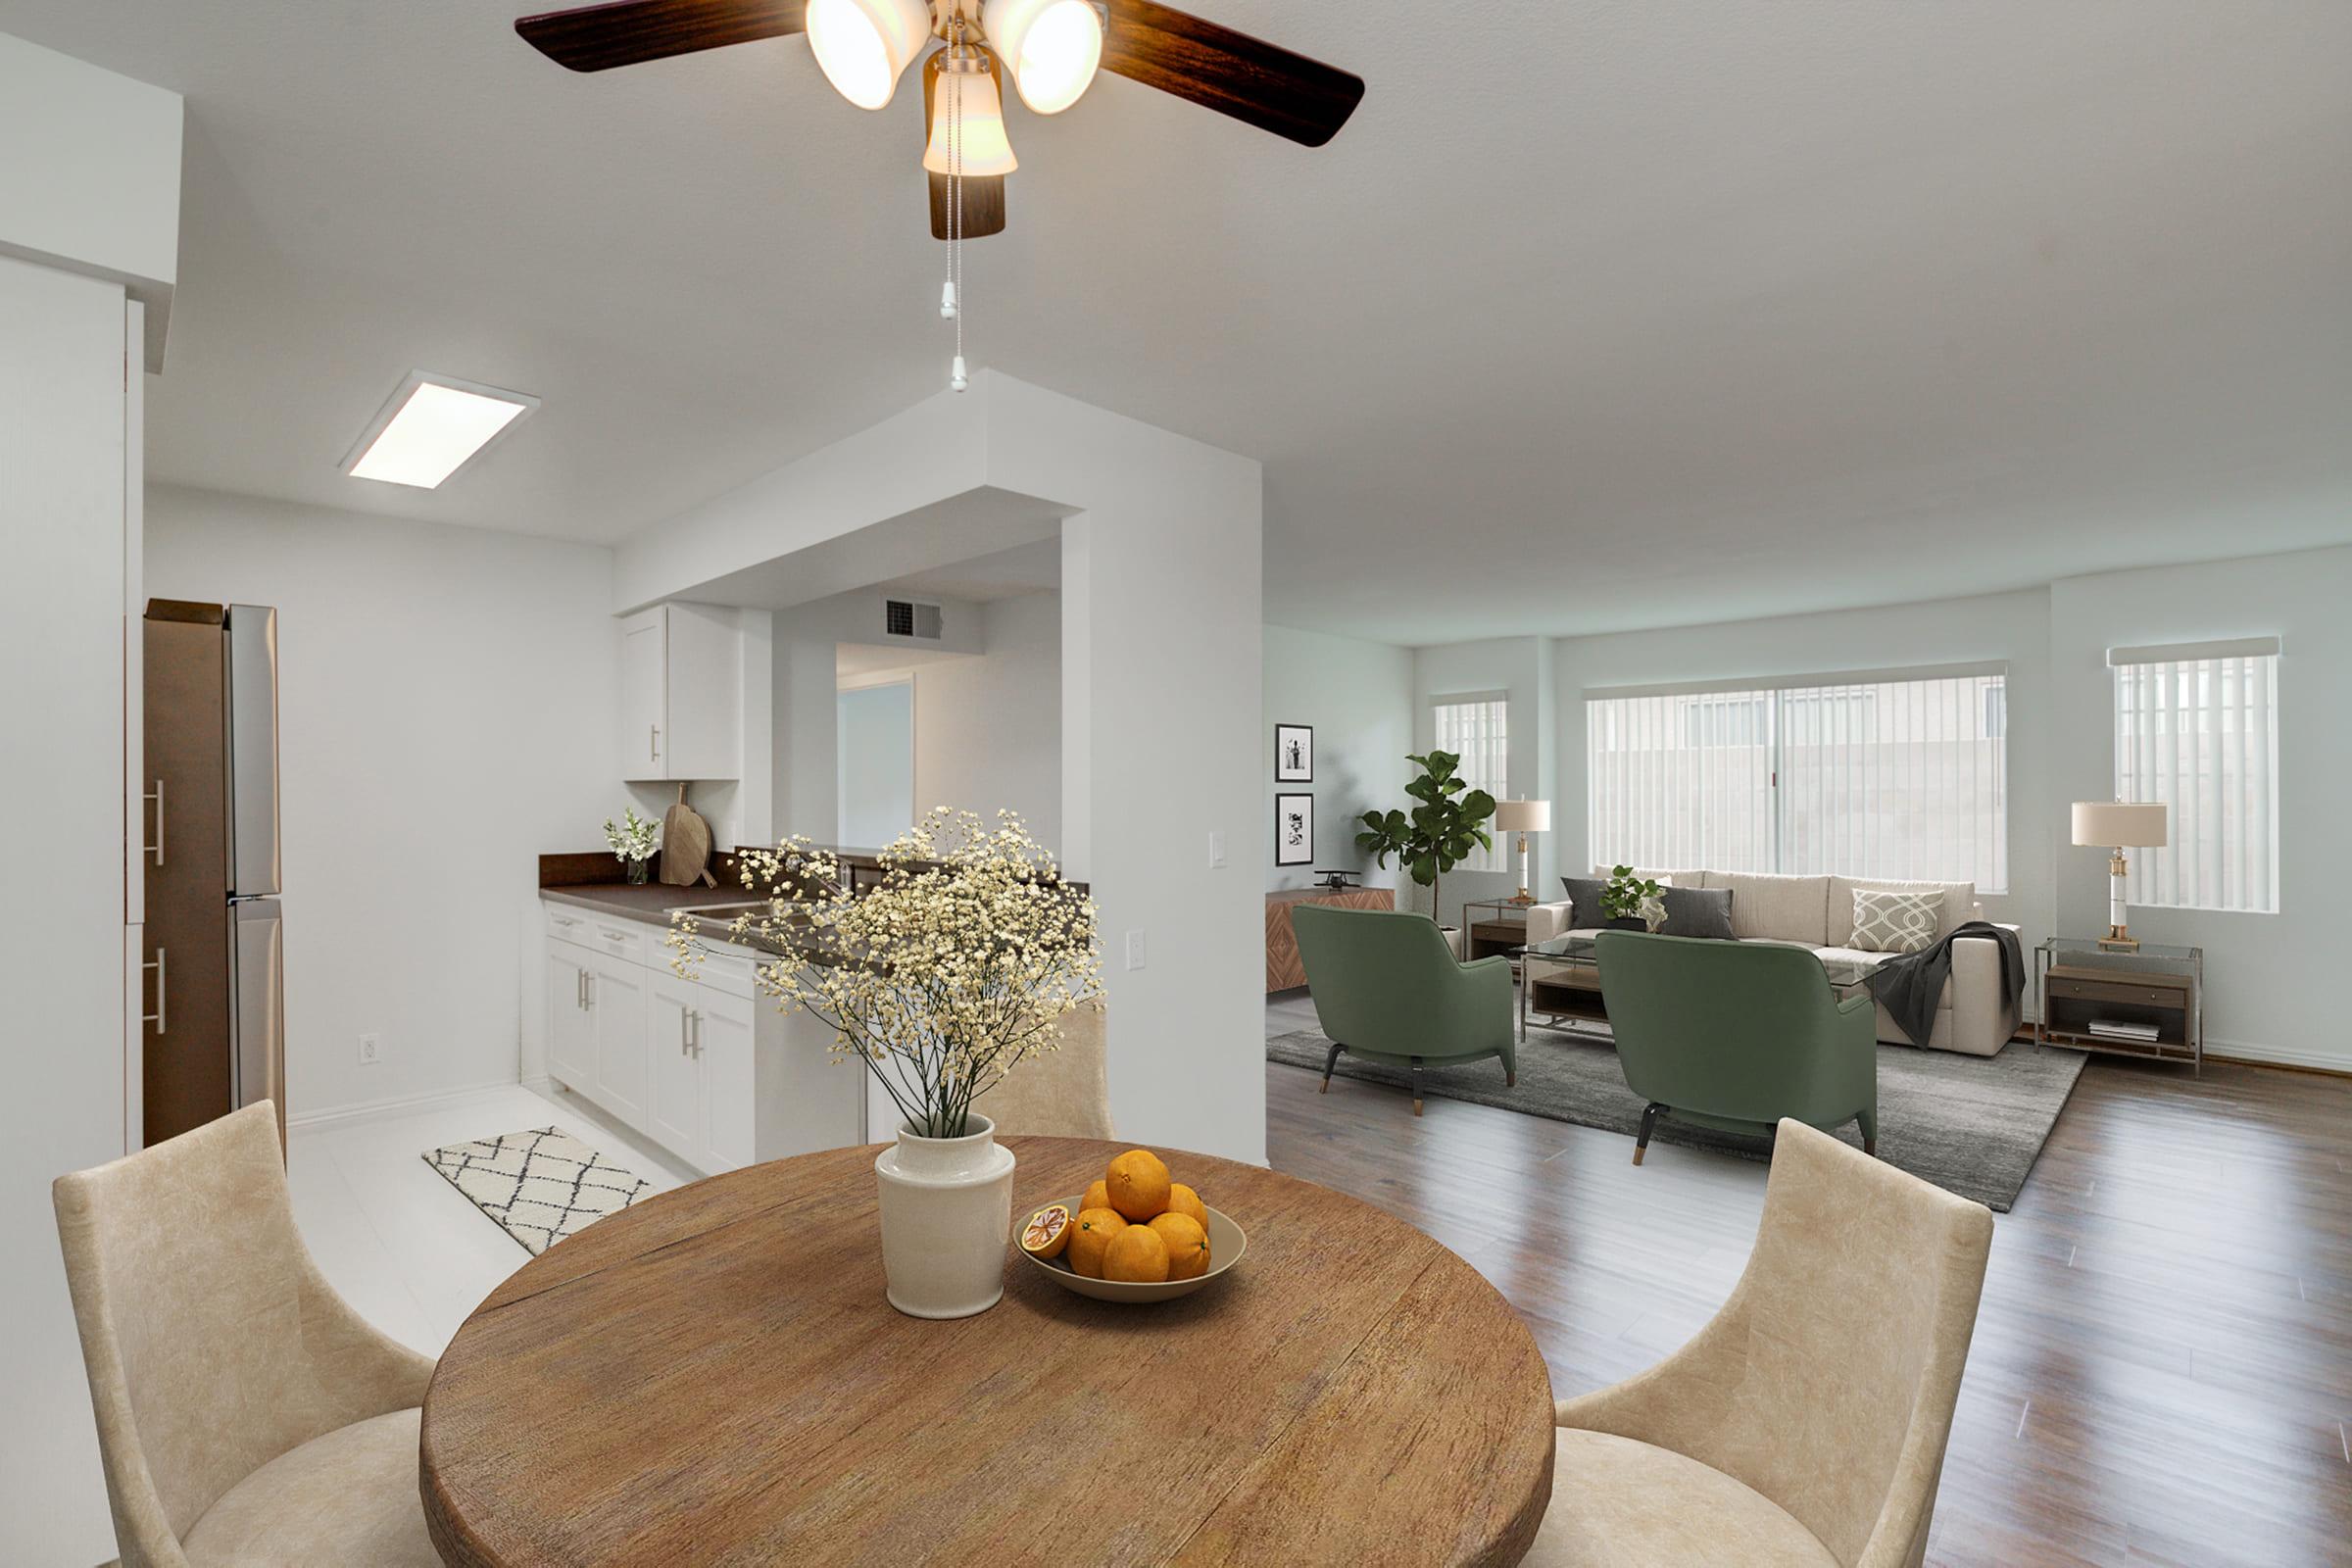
{"points": [[1134, 949], [1216, 852]]}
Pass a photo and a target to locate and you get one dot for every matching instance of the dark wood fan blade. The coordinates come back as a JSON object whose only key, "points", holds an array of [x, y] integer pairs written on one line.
{"points": [[1229, 71], [628, 32], [983, 194]]}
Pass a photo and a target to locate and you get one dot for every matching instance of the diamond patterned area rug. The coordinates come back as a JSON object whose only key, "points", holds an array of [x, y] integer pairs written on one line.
{"points": [[1973, 1125], [540, 1185]]}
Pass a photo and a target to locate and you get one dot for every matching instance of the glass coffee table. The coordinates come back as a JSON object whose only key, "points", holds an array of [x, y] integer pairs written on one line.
{"points": [[1560, 979]]}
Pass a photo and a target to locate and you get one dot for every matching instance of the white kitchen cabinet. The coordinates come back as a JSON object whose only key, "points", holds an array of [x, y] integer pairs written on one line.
{"points": [[681, 686], [725, 1029], [570, 1026], [617, 989], [674, 1100]]}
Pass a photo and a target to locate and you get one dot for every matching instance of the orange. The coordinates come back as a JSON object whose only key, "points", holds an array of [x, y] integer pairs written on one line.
{"points": [[1096, 1195], [1047, 1231], [1182, 1200], [1187, 1244], [1137, 1184], [1138, 1255], [1091, 1237]]}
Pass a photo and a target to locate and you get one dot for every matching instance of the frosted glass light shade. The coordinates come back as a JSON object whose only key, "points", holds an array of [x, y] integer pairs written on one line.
{"points": [[864, 46], [1051, 47], [986, 148], [2119, 825], [1523, 816]]}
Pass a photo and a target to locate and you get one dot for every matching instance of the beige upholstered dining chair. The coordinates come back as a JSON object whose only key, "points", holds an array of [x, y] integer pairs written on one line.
{"points": [[1806, 1424], [246, 1414], [1062, 1093]]}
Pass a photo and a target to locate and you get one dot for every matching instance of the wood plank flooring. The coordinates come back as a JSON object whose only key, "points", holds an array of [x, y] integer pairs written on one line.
{"points": [[2162, 1370]]}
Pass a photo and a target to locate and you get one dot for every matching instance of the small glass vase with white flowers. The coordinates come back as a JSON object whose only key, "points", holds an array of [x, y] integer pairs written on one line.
{"points": [[941, 977], [632, 842]]}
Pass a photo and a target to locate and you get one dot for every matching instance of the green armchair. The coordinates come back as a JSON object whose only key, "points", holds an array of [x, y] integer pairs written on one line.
{"points": [[1386, 987], [1737, 1035]]}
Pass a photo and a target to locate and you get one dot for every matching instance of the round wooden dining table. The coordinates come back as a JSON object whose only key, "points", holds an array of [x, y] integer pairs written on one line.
{"points": [[713, 1376]]}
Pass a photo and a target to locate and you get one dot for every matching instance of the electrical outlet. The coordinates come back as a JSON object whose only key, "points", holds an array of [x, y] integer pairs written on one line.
{"points": [[1134, 949], [371, 1050], [1216, 852]]}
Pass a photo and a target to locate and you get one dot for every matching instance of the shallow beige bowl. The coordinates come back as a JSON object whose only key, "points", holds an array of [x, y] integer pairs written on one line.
{"points": [[1226, 1244]]}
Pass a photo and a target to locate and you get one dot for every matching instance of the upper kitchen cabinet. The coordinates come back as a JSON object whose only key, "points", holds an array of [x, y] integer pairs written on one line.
{"points": [[681, 683]]}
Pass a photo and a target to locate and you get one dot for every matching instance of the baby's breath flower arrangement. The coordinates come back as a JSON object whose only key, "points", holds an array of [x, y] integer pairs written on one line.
{"points": [[632, 842], [942, 977]]}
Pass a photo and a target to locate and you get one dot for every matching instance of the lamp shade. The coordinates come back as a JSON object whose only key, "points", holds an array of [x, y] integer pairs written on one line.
{"points": [[2119, 825], [1052, 47], [1523, 816], [987, 150], [863, 46]]}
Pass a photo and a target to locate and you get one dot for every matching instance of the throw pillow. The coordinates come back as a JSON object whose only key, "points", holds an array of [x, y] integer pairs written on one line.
{"points": [[1895, 922], [1689, 911]]}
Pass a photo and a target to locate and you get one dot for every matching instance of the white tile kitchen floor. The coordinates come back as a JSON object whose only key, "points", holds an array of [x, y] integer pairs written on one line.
{"points": [[402, 1246]]}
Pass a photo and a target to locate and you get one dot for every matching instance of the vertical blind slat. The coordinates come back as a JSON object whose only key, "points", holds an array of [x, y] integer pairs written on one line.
{"points": [[2200, 735]]}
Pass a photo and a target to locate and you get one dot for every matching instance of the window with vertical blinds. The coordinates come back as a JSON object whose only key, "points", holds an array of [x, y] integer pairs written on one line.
{"points": [[1901, 776], [2196, 728], [1476, 727]]}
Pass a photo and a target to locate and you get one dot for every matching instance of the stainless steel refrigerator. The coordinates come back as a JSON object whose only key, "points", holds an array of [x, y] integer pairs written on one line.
{"points": [[215, 1014]]}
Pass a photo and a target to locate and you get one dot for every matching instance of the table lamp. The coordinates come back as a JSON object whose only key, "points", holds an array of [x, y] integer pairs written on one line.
{"points": [[1523, 818], [2117, 825]]}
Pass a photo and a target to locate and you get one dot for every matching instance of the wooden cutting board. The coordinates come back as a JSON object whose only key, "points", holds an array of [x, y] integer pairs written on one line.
{"points": [[685, 846]]}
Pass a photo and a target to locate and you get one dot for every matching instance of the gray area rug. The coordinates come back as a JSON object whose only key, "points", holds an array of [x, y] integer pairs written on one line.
{"points": [[539, 1184], [1973, 1125]]}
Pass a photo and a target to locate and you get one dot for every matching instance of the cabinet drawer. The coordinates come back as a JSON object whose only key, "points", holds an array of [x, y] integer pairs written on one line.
{"points": [[728, 972], [2141, 994], [566, 923], [619, 940]]}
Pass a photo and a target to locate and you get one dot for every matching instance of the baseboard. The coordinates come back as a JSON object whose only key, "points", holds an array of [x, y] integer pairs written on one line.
{"points": [[2249, 1055], [399, 1105]]}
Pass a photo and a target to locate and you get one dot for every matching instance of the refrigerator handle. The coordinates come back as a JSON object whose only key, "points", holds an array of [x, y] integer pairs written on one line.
{"points": [[157, 1017], [157, 847]]}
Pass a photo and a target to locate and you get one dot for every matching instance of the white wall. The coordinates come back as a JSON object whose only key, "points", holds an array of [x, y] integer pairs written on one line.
{"points": [[446, 699], [874, 762], [1521, 668], [1358, 696], [2271, 989], [988, 730], [62, 933]]}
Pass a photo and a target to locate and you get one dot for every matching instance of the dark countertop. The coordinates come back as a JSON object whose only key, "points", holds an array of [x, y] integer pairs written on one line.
{"points": [[651, 902]]}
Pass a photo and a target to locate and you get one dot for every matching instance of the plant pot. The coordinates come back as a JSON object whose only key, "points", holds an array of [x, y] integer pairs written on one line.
{"points": [[947, 1211]]}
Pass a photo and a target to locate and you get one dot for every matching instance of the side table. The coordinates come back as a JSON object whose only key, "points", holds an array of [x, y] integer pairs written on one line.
{"points": [[2162, 989]]}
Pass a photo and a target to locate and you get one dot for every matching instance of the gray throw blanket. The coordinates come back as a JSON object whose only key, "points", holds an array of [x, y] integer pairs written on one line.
{"points": [[1910, 984]]}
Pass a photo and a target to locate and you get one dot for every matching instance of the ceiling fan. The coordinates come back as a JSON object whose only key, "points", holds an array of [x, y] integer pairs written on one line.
{"points": [[1051, 48]]}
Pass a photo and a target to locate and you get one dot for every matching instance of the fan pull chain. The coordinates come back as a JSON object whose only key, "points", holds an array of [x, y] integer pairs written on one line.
{"points": [[951, 296]]}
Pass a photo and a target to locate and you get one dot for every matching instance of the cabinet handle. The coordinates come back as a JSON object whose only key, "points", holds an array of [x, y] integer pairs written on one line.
{"points": [[157, 1017], [696, 1013], [588, 985], [682, 1015], [653, 743], [157, 847], [579, 989]]}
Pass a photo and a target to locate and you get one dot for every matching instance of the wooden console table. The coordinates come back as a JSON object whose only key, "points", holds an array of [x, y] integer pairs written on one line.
{"points": [[1283, 971]]}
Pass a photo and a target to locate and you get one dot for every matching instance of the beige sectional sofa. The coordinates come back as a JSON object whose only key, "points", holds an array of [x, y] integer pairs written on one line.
{"points": [[1975, 1014]]}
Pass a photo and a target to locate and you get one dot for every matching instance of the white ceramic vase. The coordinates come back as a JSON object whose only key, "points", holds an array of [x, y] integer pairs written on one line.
{"points": [[947, 1216]]}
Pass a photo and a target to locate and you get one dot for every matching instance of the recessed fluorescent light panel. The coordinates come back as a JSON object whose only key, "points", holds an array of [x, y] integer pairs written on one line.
{"points": [[432, 426]]}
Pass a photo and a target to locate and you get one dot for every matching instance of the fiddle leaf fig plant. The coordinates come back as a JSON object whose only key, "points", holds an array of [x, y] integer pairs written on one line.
{"points": [[1440, 832]]}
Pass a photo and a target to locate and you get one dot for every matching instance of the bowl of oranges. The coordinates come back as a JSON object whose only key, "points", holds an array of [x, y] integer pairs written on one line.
{"points": [[1136, 1235]]}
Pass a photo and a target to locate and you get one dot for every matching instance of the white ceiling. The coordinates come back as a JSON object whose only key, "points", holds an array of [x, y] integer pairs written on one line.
{"points": [[1600, 314]]}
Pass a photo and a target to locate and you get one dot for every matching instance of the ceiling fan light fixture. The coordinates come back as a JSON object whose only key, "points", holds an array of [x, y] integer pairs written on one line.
{"points": [[987, 150], [1051, 47], [864, 46]]}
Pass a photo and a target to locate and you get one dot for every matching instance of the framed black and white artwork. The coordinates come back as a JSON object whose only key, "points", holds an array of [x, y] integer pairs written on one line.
{"points": [[1294, 754], [1293, 830]]}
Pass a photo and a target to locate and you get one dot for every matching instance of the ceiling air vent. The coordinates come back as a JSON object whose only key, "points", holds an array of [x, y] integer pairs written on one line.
{"points": [[906, 618]]}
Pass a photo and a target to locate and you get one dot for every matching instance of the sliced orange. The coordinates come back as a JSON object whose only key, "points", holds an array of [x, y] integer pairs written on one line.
{"points": [[1047, 1231]]}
